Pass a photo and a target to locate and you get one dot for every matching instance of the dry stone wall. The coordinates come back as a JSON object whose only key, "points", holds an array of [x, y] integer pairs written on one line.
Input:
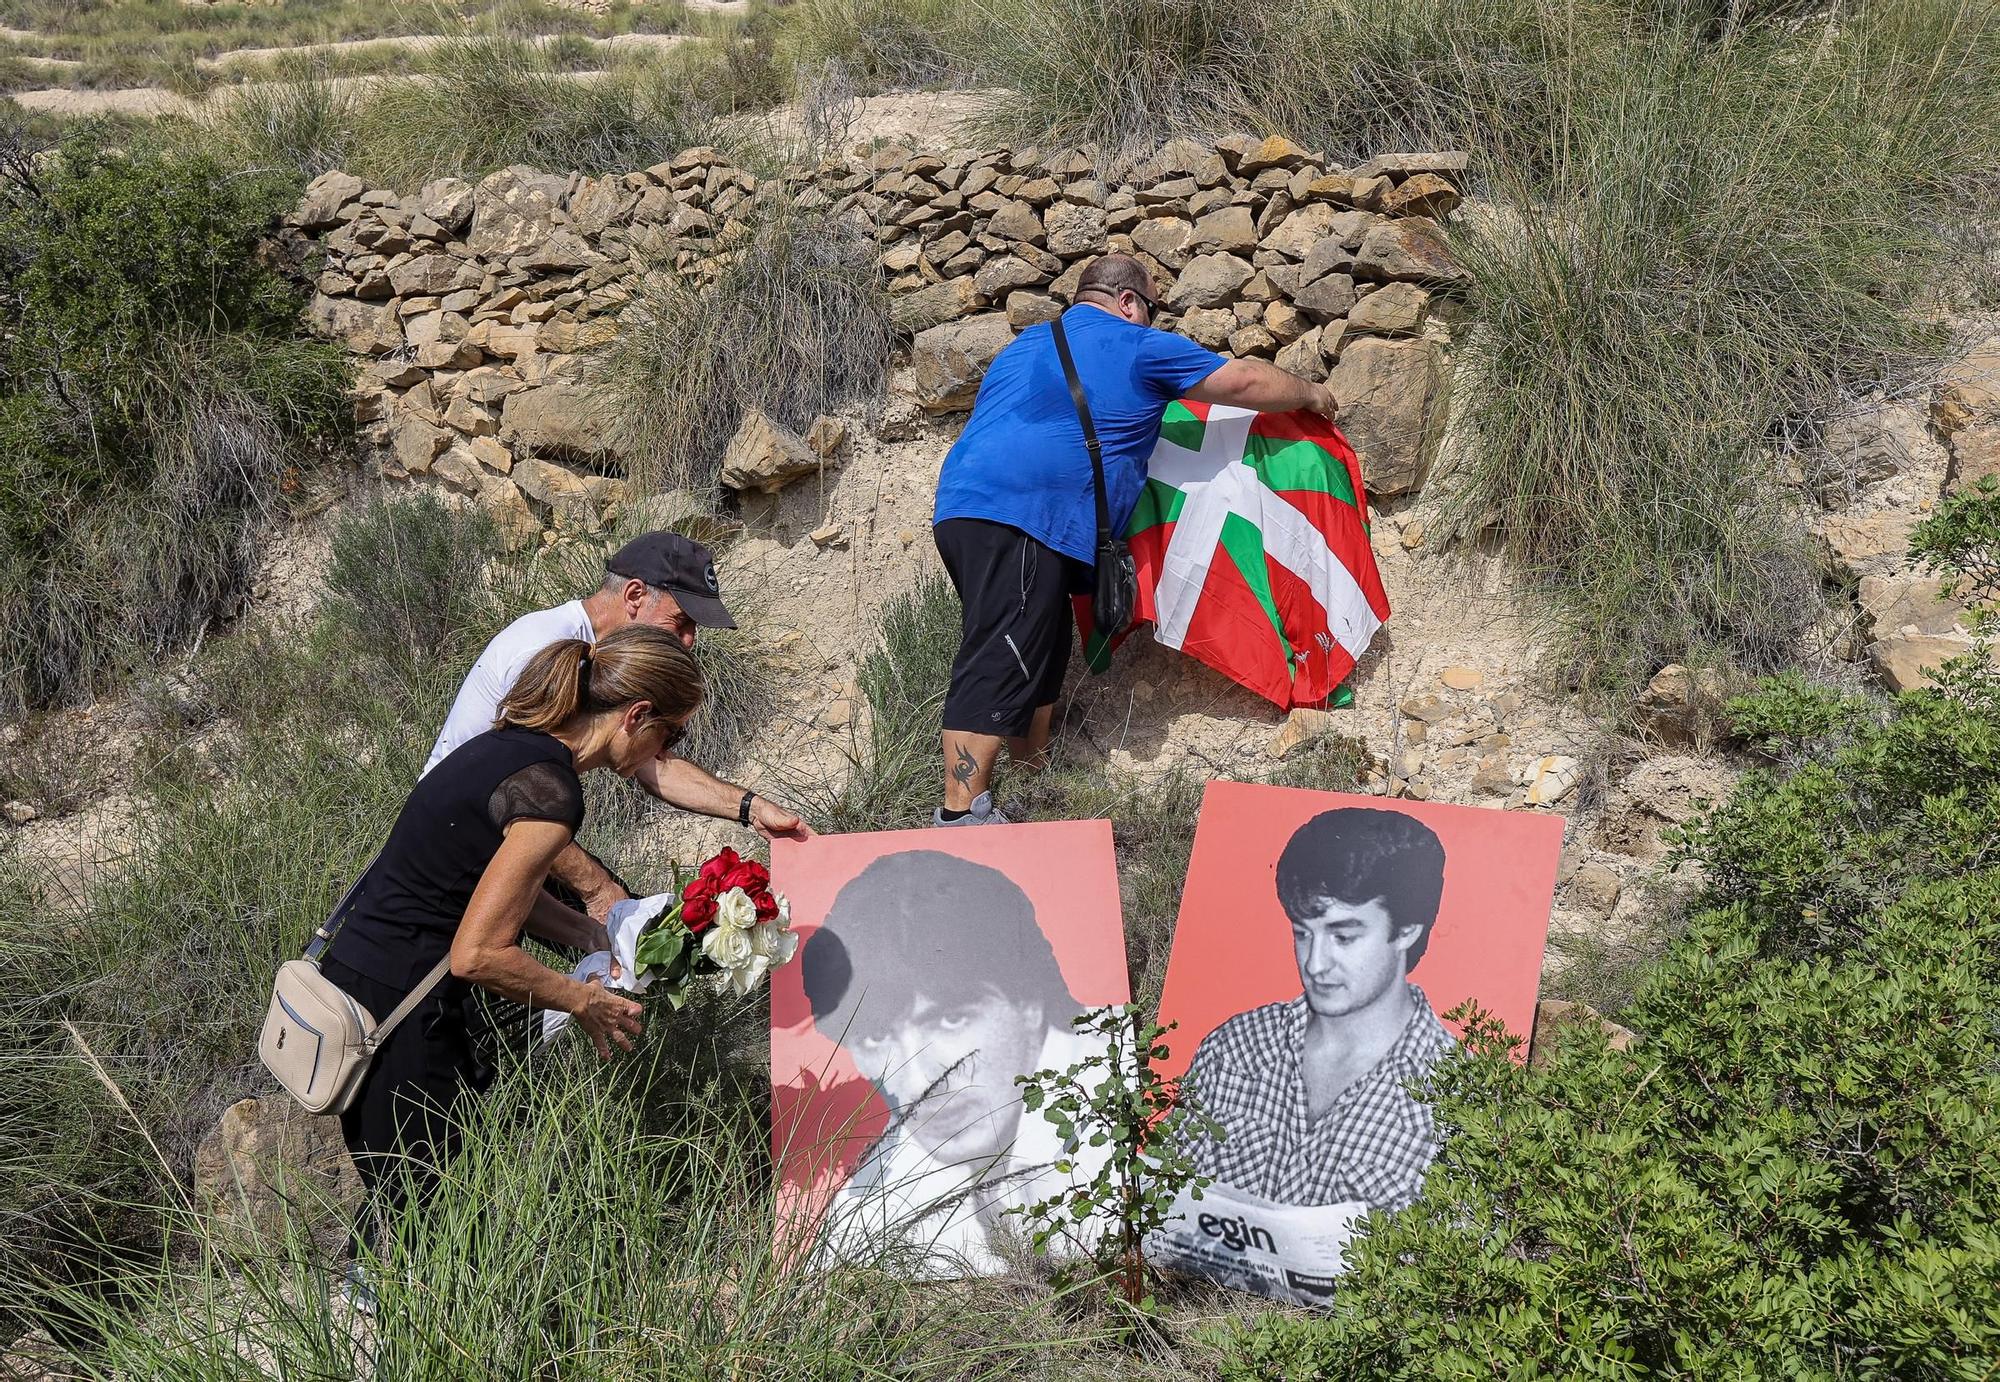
{"points": [[474, 305]]}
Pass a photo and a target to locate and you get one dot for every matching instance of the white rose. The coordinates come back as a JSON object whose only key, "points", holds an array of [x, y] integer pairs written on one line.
{"points": [[744, 978], [727, 946], [735, 911]]}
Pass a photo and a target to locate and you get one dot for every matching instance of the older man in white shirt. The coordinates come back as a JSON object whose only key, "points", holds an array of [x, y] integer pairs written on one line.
{"points": [[659, 578]]}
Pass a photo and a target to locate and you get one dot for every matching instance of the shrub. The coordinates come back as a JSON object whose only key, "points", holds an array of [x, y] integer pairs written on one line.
{"points": [[1794, 1172], [154, 391], [796, 323], [885, 44], [301, 119]]}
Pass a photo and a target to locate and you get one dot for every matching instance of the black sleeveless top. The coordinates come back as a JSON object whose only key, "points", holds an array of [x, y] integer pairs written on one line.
{"points": [[401, 919]]}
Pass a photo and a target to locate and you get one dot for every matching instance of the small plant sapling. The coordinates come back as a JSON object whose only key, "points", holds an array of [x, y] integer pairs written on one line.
{"points": [[1117, 1100]]}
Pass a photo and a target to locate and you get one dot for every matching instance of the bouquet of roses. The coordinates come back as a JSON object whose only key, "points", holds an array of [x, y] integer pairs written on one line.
{"points": [[728, 923]]}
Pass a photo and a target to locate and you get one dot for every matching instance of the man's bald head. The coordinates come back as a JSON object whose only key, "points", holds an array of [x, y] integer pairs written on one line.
{"points": [[1113, 274]]}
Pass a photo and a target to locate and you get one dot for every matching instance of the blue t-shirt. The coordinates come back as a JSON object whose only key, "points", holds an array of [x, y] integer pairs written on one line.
{"points": [[1021, 459]]}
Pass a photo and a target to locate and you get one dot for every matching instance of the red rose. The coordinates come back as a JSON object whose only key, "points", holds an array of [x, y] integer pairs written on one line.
{"points": [[721, 865], [767, 905], [746, 877], [697, 914]]}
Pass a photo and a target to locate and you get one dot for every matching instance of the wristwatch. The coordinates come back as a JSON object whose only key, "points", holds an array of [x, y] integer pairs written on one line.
{"points": [[743, 808]]}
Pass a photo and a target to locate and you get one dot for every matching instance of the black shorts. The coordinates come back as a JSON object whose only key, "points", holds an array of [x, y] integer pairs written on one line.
{"points": [[1013, 649]]}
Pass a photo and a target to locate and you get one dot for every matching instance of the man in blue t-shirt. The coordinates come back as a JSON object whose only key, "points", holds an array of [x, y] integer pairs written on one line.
{"points": [[1016, 516]]}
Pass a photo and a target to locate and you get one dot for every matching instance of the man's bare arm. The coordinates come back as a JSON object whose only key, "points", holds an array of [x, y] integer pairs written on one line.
{"points": [[680, 783], [1265, 387], [589, 879]]}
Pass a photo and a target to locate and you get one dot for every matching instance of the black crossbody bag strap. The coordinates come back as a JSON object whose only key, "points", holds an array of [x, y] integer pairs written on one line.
{"points": [[1090, 442], [324, 933], [1115, 591]]}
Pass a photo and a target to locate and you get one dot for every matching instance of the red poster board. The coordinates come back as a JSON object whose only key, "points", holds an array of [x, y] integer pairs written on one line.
{"points": [[1233, 943], [826, 1115]]}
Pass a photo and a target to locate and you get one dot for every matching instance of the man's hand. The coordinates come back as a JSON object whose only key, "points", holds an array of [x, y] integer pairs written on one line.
{"points": [[1324, 403], [771, 820], [597, 904]]}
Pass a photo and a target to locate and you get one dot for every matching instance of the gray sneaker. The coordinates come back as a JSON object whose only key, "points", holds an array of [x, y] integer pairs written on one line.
{"points": [[983, 812]]}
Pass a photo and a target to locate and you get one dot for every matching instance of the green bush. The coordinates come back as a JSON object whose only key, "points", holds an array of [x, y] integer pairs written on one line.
{"points": [[155, 389], [1796, 1170]]}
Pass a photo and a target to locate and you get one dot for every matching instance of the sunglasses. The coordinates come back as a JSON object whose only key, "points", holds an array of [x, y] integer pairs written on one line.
{"points": [[675, 733]]}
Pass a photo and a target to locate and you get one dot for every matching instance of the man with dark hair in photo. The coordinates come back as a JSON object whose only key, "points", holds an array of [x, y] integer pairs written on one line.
{"points": [[1313, 1095], [933, 974]]}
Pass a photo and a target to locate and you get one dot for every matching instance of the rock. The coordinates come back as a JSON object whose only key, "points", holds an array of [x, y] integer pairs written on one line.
{"points": [[1017, 221], [424, 275], [459, 469], [269, 1165], [1462, 678], [563, 492], [1303, 357], [1285, 322], [417, 443], [1554, 1014], [766, 456], [20, 812], [1871, 446], [1390, 409], [1553, 778], [447, 201], [1227, 231], [1678, 705], [1901, 601], [827, 437], [560, 418], [1448, 164], [951, 359], [326, 196], [555, 252], [363, 328], [503, 339], [839, 713], [1301, 232], [1252, 339], [1494, 776], [1407, 251], [1396, 309], [1970, 391], [1975, 454], [1208, 326], [1425, 194], [998, 277], [1301, 727], [1429, 709], [1025, 309], [829, 535], [597, 204], [513, 210], [1906, 658], [508, 508], [1275, 152], [1074, 230], [1596, 888], [1867, 544], [1167, 239], [940, 302], [568, 337], [1330, 297], [1209, 280]]}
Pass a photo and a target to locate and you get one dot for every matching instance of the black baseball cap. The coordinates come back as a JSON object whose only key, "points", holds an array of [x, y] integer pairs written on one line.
{"points": [[680, 566]]}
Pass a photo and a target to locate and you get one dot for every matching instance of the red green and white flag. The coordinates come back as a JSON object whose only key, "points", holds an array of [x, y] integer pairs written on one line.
{"points": [[1251, 539]]}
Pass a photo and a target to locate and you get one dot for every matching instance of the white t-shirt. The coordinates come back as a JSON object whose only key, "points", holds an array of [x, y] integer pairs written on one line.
{"points": [[493, 675]]}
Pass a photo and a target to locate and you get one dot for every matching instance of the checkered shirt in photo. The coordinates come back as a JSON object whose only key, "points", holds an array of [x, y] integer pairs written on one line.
{"points": [[1372, 1145]]}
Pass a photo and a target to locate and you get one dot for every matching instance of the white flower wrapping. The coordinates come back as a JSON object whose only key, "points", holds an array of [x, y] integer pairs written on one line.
{"points": [[744, 948]]}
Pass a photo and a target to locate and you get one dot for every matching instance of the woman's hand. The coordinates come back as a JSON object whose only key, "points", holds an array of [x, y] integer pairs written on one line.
{"points": [[608, 1018]]}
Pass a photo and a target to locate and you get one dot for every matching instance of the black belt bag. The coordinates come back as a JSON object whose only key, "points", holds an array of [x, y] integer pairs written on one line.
{"points": [[1116, 591]]}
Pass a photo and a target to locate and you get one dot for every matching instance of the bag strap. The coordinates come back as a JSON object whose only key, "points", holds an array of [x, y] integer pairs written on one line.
{"points": [[403, 1009], [1089, 429], [324, 933]]}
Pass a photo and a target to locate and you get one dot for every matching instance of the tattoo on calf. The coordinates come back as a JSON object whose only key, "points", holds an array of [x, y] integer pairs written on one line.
{"points": [[962, 771]]}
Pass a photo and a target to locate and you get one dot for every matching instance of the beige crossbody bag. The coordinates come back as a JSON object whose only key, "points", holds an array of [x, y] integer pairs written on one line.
{"points": [[317, 1041]]}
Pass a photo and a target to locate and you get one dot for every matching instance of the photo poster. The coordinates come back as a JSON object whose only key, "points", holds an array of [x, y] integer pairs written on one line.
{"points": [[1299, 1166], [934, 966]]}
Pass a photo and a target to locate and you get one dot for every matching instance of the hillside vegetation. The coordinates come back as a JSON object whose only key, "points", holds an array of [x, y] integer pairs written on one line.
{"points": [[1697, 233]]}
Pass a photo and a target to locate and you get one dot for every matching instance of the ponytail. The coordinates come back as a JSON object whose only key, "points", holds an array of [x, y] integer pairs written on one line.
{"points": [[570, 678]]}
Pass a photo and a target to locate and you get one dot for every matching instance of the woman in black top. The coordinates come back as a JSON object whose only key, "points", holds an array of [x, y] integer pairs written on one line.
{"points": [[462, 875]]}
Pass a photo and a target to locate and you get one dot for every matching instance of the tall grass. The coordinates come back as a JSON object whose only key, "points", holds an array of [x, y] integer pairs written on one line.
{"points": [[795, 323], [1727, 242]]}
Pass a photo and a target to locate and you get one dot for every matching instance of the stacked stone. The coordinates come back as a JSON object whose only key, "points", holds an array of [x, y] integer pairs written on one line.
{"points": [[475, 305]]}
